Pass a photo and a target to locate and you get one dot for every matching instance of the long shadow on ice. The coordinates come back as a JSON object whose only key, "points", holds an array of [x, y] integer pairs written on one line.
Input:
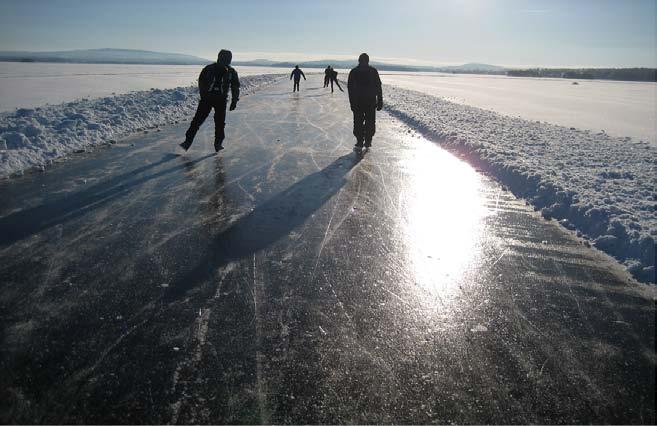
{"points": [[22, 224], [267, 223]]}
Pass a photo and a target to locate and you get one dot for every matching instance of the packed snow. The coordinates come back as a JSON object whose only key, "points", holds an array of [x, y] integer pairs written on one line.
{"points": [[620, 108], [603, 187], [31, 85], [34, 137]]}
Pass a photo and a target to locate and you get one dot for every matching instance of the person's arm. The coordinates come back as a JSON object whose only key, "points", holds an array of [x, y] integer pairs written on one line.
{"points": [[350, 90], [292, 74], [204, 82], [234, 90], [379, 91], [303, 75]]}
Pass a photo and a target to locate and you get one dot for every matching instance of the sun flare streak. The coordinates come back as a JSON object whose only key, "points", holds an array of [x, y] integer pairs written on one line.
{"points": [[444, 240]]}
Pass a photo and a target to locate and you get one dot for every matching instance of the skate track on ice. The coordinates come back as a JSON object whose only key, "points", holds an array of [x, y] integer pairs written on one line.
{"points": [[286, 280]]}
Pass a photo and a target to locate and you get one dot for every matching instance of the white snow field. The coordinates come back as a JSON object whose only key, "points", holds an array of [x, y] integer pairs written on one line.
{"points": [[31, 85], [34, 137], [620, 108], [602, 186]]}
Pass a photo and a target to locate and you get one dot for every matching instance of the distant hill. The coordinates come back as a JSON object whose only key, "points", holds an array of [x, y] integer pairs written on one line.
{"points": [[383, 66], [475, 67], [619, 74], [105, 56]]}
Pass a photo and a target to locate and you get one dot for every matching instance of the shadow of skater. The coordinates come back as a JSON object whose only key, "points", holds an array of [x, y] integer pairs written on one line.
{"points": [[24, 223], [267, 223]]}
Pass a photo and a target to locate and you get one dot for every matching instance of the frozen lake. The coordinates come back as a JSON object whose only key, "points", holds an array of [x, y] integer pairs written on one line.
{"points": [[619, 108], [29, 85]]}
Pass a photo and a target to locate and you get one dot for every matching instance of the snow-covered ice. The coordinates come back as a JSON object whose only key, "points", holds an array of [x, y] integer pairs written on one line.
{"points": [[31, 85], [34, 137], [620, 108], [603, 187]]}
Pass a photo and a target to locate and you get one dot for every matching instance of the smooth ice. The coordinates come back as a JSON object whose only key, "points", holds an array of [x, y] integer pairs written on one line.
{"points": [[287, 280]]}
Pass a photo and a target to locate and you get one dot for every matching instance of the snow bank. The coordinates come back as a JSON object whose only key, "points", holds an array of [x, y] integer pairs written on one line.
{"points": [[603, 187], [33, 138]]}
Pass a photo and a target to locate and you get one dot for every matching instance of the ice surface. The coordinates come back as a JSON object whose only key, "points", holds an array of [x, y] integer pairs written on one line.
{"points": [[34, 137], [603, 186], [30, 85], [620, 108]]}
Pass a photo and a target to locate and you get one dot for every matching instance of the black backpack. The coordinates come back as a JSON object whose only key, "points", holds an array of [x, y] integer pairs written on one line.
{"points": [[221, 81]]}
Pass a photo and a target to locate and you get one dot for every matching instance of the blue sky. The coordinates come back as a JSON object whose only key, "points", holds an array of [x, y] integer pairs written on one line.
{"points": [[504, 32]]}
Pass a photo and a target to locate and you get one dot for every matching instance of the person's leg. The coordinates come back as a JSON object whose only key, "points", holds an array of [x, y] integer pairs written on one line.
{"points": [[369, 116], [202, 112], [219, 123], [359, 119], [331, 85], [338, 83]]}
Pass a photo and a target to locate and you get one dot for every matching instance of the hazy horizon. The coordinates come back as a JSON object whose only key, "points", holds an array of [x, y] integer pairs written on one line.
{"points": [[509, 33]]}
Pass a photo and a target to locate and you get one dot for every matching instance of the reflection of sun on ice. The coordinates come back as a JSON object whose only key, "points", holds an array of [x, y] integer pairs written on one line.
{"points": [[444, 218]]}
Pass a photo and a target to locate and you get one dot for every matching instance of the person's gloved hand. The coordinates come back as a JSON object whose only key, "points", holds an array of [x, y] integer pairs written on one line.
{"points": [[379, 105], [233, 105]]}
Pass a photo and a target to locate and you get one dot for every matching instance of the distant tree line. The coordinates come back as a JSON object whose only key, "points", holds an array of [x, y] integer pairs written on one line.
{"points": [[623, 74]]}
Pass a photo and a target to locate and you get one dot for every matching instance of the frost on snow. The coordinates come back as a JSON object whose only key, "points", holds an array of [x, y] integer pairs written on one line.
{"points": [[33, 138], [603, 186]]}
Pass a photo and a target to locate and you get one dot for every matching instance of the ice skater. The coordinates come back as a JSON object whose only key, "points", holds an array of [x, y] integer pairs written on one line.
{"points": [[214, 82], [327, 76], [334, 79], [297, 74], [365, 95]]}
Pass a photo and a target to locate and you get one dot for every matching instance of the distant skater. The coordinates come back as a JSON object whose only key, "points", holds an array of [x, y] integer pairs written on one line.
{"points": [[297, 74], [213, 83], [365, 95], [334, 79], [327, 75]]}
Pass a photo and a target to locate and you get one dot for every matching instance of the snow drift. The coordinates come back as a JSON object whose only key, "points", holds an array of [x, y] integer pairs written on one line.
{"points": [[33, 138], [603, 187]]}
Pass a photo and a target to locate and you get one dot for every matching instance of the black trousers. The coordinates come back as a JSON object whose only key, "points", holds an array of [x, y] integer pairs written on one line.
{"points": [[335, 80], [205, 105], [364, 123], [296, 85]]}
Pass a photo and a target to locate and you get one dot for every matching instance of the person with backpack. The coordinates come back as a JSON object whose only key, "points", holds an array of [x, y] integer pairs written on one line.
{"points": [[214, 82], [365, 95], [297, 74]]}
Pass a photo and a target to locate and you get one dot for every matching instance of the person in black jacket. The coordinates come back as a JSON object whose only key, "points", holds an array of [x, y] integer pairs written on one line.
{"points": [[214, 82], [365, 95], [327, 75], [297, 74]]}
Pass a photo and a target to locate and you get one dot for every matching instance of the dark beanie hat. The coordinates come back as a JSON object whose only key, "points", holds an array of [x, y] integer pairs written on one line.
{"points": [[363, 59], [224, 57]]}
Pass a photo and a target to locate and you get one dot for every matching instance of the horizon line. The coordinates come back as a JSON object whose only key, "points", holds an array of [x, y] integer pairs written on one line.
{"points": [[248, 56]]}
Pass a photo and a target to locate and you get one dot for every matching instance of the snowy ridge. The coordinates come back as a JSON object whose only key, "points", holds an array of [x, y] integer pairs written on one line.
{"points": [[34, 138], [603, 187]]}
